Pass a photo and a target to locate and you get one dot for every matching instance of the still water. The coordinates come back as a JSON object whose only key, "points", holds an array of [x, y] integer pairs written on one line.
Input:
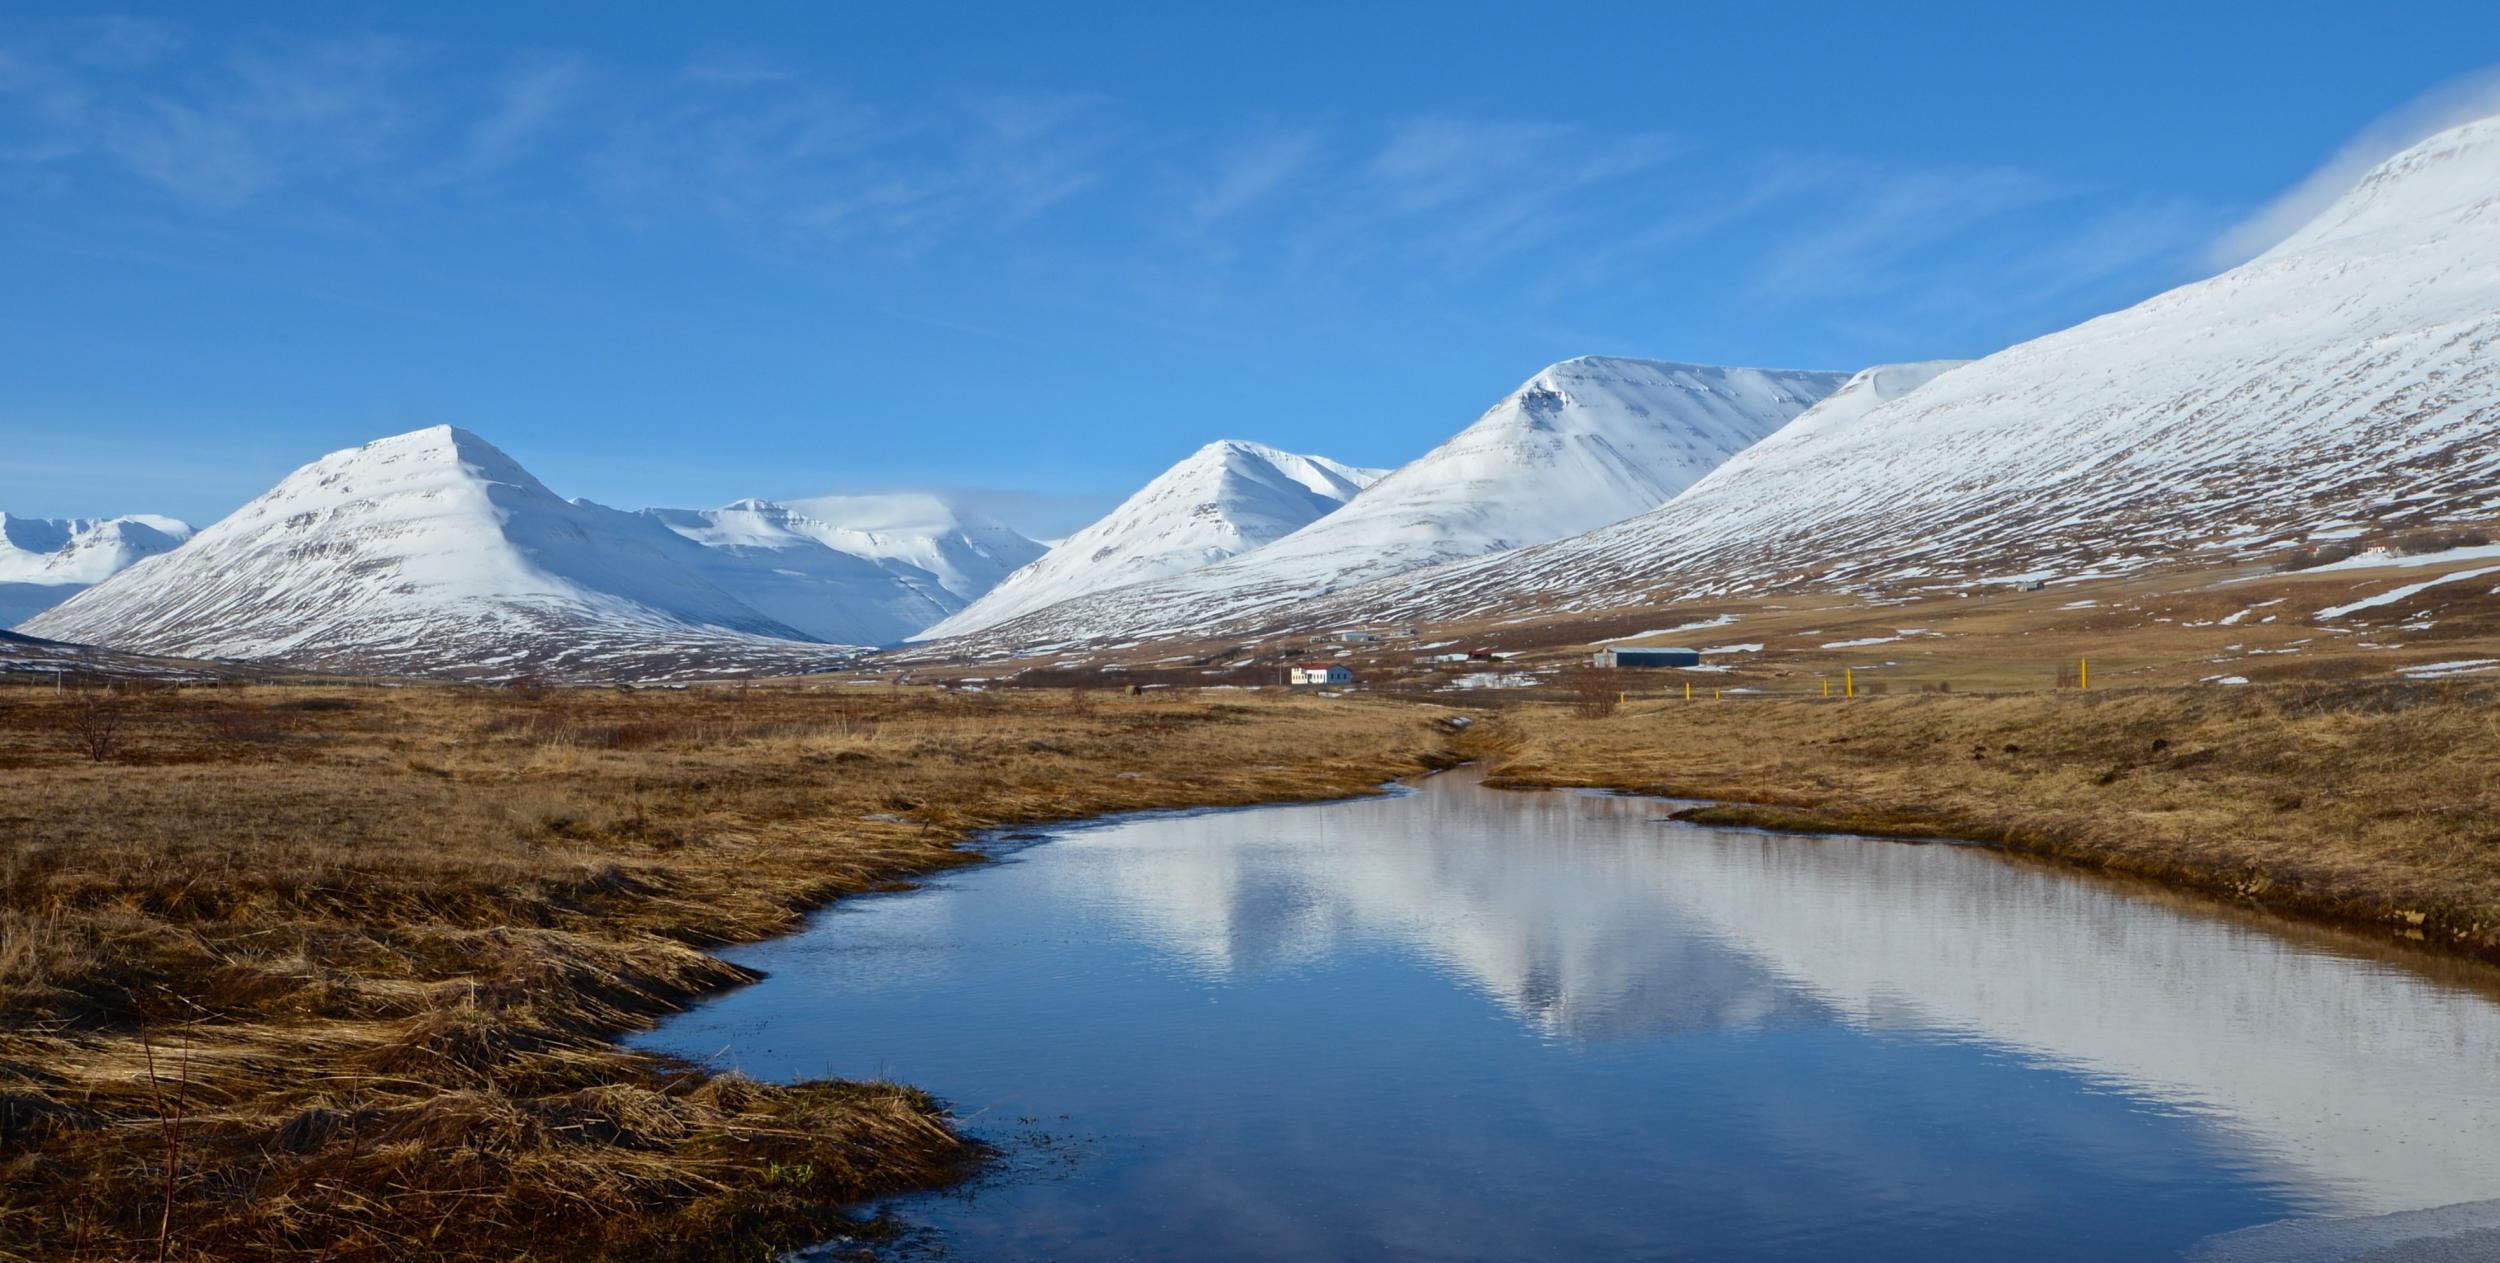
{"points": [[1461, 1024]]}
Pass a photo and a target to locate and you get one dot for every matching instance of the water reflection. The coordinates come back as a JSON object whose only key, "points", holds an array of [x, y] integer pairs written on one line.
{"points": [[1663, 1042]]}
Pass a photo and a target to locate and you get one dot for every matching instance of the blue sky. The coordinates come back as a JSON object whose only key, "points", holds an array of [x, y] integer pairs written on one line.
{"points": [[666, 258]]}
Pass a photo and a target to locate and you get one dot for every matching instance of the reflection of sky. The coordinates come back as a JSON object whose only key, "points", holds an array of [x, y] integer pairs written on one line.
{"points": [[1740, 1046]]}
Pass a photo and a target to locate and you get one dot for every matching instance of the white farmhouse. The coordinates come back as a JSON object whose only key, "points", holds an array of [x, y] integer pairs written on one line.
{"points": [[1330, 674]]}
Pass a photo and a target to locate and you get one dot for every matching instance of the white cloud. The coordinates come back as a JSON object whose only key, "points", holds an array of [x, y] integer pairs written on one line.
{"points": [[2456, 102]]}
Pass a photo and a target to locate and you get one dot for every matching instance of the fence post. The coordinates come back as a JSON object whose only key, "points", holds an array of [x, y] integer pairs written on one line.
{"points": [[2083, 674], [1848, 682]]}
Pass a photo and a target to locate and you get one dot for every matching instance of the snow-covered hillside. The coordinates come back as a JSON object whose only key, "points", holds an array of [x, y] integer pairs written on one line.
{"points": [[1585, 442], [433, 552], [1223, 500], [852, 569], [966, 551], [2346, 381], [45, 561]]}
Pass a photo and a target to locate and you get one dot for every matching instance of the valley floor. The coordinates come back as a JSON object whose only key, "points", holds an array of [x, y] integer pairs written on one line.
{"points": [[331, 972], [335, 973]]}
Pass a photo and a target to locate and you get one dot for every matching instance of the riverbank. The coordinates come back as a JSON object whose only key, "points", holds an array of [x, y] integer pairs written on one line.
{"points": [[334, 974], [2368, 806]]}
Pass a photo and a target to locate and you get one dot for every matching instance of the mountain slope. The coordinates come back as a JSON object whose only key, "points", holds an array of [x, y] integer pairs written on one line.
{"points": [[851, 569], [431, 552], [773, 560], [45, 561], [2345, 382], [1584, 442], [967, 552], [1222, 500]]}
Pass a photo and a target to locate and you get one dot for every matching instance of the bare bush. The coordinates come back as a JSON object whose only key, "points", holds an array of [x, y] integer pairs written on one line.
{"points": [[1596, 692], [93, 719]]}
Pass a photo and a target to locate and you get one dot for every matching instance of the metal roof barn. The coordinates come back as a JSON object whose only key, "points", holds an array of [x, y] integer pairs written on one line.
{"points": [[1648, 658]]}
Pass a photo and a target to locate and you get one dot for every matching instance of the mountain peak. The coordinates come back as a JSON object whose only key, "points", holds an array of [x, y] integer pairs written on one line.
{"points": [[432, 451], [429, 551], [1225, 498], [2449, 175]]}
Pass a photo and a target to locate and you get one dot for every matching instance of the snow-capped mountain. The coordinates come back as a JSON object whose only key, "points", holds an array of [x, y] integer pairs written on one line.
{"points": [[1585, 442], [1868, 390], [433, 552], [852, 569], [1223, 500], [966, 551], [2347, 380], [45, 561]]}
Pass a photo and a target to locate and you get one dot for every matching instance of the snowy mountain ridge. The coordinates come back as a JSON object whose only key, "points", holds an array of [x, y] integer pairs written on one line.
{"points": [[852, 569], [432, 552], [1222, 500], [1582, 443], [45, 561], [2344, 380]]}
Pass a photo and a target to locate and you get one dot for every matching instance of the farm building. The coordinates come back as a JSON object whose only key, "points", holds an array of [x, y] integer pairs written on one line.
{"points": [[1647, 658], [1319, 675]]}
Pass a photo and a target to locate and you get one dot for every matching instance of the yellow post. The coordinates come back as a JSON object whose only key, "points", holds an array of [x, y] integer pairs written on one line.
{"points": [[1688, 690], [1827, 686], [2083, 674], [1717, 696], [1848, 682]]}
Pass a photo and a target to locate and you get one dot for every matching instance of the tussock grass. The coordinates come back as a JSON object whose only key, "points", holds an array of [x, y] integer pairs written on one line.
{"points": [[335, 974], [2368, 805]]}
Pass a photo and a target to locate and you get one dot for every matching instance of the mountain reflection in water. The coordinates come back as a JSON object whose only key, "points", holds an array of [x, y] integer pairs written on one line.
{"points": [[1662, 1041]]}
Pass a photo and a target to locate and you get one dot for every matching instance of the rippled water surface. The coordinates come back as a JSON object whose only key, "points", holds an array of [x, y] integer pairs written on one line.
{"points": [[1465, 1024]]}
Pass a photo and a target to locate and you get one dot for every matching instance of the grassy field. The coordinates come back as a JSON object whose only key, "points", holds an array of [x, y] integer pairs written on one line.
{"points": [[335, 973], [328, 973], [2372, 805]]}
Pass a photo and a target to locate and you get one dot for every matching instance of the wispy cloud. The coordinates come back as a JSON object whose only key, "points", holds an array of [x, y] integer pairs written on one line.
{"points": [[1865, 223], [2458, 101], [528, 105], [220, 133], [1252, 171]]}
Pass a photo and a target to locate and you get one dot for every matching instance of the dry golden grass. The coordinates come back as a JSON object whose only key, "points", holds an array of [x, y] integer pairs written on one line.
{"points": [[334, 974], [2368, 805]]}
